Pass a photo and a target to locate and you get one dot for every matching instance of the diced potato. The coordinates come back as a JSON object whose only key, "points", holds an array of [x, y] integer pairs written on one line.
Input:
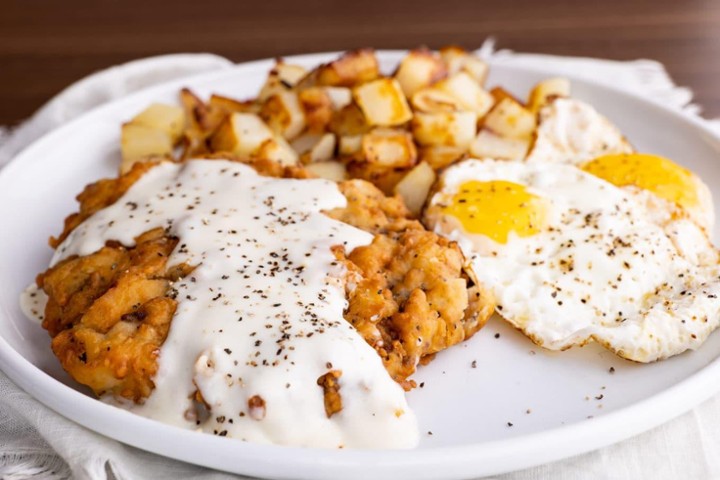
{"points": [[420, 68], [547, 90], [490, 145], [350, 69], [323, 150], [476, 68], [389, 148], [415, 186], [231, 105], [318, 108], [510, 119], [383, 102], [168, 118], [241, 134], [278, 150], [458, 59], [283, 114], [140, 141], [349, 121], [340, 97], [440, 156], [305, 142], [281, 78], [350, 144], [384, 178], [334, 171], [500, 94], [467, 92], [433, 100], [454, 58], [315, 147], [445, 128]]}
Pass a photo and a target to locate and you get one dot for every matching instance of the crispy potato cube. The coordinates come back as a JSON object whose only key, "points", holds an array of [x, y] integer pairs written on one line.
{"points": [[440, 156], [350, 144], [334, 171], [490, 145], [305, 142], [281, 78], [500, 94], [349, 121], [510, 119], [351, 69], [420, 68], [322, 150], [140, 141], [467, 92], [458, 59], [283, 114], [278, 150], [546, 91], [433, 100], [230, 105], [340, 97], [389, 148], [241, 134], [383, 102], [415, 186], [446, 128], [318, 108], [168, 118]]}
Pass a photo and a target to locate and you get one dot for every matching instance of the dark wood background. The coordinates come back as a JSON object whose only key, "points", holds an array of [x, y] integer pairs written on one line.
{"points": [[46, 45]]}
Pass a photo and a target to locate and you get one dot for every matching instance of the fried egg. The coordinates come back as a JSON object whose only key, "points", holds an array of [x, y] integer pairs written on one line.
{"points": [[571, 131], [572, 258]]}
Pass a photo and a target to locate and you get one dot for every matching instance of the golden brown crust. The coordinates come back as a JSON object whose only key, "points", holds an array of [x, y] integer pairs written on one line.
{"points": [[108, 313], [331, 392]]}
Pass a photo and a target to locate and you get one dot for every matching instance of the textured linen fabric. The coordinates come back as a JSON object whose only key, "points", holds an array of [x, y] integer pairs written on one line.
{"points": [[36, 443]]}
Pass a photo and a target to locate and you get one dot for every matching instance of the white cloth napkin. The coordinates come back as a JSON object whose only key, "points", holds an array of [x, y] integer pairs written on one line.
{"points": [[36, 443]]}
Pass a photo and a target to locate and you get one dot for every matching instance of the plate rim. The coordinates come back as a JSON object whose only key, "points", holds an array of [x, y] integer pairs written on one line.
{"points": [[456, 461]]}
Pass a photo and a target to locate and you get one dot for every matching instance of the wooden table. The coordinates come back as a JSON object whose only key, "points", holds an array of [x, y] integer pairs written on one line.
{"points": [[44, 46]]}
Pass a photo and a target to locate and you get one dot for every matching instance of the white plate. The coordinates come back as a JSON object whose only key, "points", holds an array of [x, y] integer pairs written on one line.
{"points": [[468, 410]]}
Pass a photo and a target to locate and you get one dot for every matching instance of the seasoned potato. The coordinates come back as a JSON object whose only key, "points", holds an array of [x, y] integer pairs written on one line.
{"points": [[510, 119], [168, 118], [334, 171], [140, 141], [283, 114], [445, 128], [467, 92], [350, 69], [231, 105], [383, 102], [432, 100], [318, 108], [499, 94], [440, 156], [322, 151], [349, 144], [490, 145], [547, 90], [415, 186], [241, 134], [281, 78], [389, 148], [278, 150], [458, 59], [420, 68], [349, 121], [340, 97]]}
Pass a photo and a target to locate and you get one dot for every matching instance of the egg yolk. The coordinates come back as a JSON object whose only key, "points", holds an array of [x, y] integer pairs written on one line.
{"points": [[650, 172], [496, 208]]}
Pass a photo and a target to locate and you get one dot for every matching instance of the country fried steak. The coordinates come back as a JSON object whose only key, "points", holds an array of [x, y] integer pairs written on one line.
{"points": [[109, 312]]}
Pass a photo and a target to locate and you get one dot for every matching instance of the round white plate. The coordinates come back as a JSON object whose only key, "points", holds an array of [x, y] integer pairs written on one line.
{"points": [[521, 406]]}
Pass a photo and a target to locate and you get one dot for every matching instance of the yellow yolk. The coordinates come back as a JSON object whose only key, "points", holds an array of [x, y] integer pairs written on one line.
{"points": [[496, 208], [657, 174]]}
